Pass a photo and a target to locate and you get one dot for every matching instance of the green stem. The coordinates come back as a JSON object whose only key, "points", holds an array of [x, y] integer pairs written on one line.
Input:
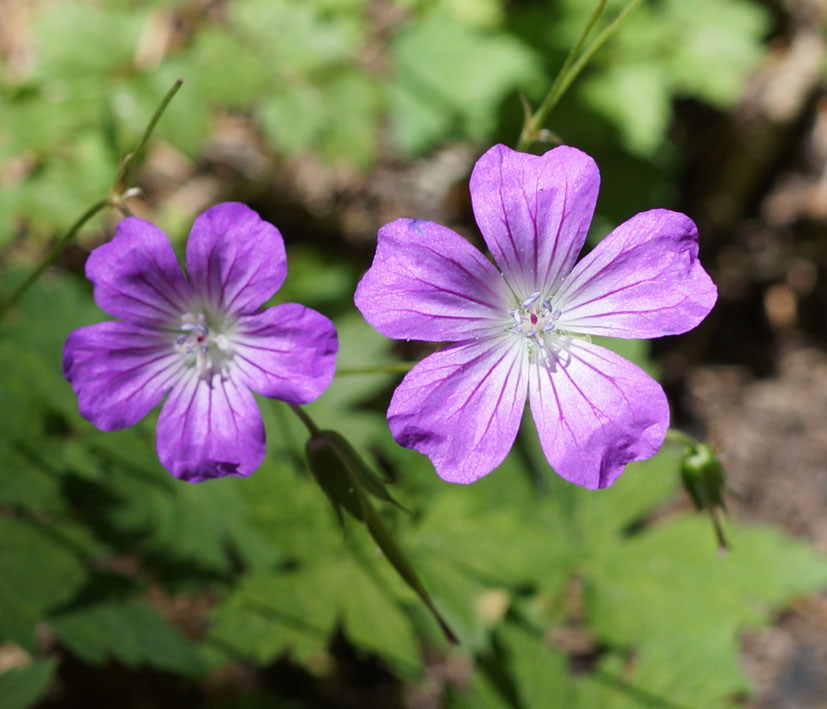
{"points": [[570, 70], [115, 198], [601, 39], [133, 160], [393, 367], [679, 438], [533, 123], [53, 254], [312, 428]]}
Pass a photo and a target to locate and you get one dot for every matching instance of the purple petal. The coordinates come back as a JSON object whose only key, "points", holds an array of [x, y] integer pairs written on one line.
{"points": [[210, 429], [462, 407], [428, 283], [119, 371], [235, 259], [643, 280], [534, 212], [137, 277], [595, 412], [287, 352]]}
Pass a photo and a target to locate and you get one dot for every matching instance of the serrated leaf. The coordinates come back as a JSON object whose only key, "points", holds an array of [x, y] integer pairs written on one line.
{"points": [[131, 632], [709, 597], [22, 687]]}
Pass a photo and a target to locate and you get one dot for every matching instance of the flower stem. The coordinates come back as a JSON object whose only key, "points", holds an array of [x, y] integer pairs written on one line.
{"points": [[533, 122], [115, 199], [601, 39], [399, 367], [134, 159], [53, 254], [312, 428], [575, 62], [679, 438]]}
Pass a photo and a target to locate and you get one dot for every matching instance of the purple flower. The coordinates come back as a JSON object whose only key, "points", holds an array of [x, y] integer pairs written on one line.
{"points": [[523, 330], [203, 340]]}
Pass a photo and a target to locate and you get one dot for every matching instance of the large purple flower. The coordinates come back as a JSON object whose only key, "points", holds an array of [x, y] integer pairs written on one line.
{"points": [[203, 340], [523, 329]]}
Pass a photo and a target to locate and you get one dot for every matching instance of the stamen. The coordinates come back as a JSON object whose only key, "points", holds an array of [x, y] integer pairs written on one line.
{"points": [[531, 299]]}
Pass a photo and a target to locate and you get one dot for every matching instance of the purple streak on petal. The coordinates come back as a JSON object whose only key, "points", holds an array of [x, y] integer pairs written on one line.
{"points": [[534, 212], [235, 259], [137, 277], [287, 352], [119, 371], [596, 412], [428, 283], [643, 280], [462, 407], [209, 430]]}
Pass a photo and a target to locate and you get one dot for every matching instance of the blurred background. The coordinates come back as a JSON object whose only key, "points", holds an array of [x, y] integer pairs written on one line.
{"points": [[120, 586]]}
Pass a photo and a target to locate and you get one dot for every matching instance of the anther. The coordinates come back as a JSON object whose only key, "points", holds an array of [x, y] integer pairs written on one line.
{"points": [[531, 299]]}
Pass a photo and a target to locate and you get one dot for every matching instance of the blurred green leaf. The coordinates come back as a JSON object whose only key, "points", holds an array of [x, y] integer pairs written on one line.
{"points": [[39, 573], [22, 687], [131, 632], [450, 79]]}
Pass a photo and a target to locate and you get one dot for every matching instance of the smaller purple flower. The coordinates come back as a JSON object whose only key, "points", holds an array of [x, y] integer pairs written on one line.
{"points": [[202, 340], [523, 331]]}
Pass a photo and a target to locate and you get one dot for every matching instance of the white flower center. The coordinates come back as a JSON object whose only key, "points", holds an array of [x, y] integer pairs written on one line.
{"points": [[534, 320], [204, 345]]}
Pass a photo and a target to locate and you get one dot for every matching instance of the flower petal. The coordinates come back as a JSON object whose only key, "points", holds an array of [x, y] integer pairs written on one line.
{"points": [[235, 260], [209, 429], [137, 277], [462, 407], [595, 412], [534, 212], [287, 352], [119, 371], [428, 283], [643, 280]]}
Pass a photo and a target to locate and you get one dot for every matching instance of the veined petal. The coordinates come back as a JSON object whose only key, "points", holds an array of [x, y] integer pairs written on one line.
{"points": [[137, 277], [643, 280], [209, 429], [287, 352], [119, 371], [428, 283], [595, 412], [462, 407], [234, 258], [534, 212]]}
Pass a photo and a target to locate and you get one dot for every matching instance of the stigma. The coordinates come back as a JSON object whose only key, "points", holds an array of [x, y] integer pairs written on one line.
{"points": [[534, 320], [204, 346]]}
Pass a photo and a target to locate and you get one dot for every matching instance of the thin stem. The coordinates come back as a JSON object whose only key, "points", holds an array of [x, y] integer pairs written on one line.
{"points": [[114, 199], [679, 438], [306, 420], [532, 124], [53, 254], [601, 39], [392, 367], [130, 165]]}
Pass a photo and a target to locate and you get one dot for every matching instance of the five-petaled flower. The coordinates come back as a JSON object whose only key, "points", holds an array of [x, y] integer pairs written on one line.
{"points": [[202, 339], [523, 330]]}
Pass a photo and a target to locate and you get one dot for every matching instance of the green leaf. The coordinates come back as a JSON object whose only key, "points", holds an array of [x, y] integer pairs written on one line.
{"points": [[131, 632], [637, 98], [709, 599], [39, 574], [451, 78], [373, 621], [275, 613], [22, 687]]}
